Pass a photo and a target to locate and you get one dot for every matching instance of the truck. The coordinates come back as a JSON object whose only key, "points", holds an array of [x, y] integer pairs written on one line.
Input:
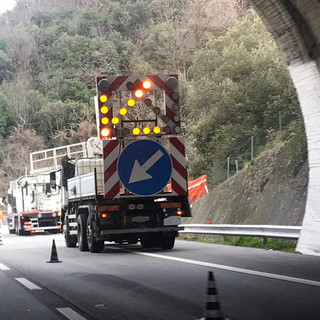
{"points": [[119, 192], [34, 204], [34, 200]]}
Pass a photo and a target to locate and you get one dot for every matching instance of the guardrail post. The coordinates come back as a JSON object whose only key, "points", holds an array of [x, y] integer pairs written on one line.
{"points": [[224, 238], [264, 240]]}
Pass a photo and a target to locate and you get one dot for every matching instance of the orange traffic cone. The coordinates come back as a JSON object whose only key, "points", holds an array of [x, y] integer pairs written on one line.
{"points": [[54, 254], [212, 311]]}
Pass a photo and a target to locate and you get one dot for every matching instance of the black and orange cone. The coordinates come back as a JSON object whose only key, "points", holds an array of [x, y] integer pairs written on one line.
{"points": [[54, 254], [212, 311]]}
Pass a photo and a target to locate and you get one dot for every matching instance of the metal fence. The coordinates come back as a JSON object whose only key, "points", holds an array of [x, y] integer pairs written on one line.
{"points": [[252, 146]]}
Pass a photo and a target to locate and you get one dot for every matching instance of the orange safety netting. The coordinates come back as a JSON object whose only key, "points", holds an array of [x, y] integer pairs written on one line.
{"points": [[196, 188]]}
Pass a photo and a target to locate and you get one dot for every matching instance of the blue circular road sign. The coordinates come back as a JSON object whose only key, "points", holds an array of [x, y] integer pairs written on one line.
{"points": [[144, 167]]}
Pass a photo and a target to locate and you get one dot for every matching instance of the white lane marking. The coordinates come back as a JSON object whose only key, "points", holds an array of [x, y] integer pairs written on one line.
{"points": [[234, 269], [70, 314], [28, 284], [3, 267]]}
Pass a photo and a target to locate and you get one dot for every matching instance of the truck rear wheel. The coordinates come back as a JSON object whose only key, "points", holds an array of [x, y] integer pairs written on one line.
{"points": [[167, 242], [18, 231], [147, 242], [94, 246], [11, 231], [82, 232], [70, 241]]}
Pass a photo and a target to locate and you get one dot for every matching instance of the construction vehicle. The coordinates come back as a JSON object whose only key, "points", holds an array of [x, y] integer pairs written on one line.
{"points": [[120, 193], [34, 204], [34, 200]]}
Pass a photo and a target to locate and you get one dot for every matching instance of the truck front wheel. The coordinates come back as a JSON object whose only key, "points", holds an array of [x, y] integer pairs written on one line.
{"points": [[82, 234], [94, 246]]}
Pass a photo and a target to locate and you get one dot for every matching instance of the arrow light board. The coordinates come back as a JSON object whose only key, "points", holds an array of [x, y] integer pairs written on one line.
{"points": [[144, 167]]}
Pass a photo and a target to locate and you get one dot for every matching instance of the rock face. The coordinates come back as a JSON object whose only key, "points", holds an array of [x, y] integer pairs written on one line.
{"points": [[272, 190]]}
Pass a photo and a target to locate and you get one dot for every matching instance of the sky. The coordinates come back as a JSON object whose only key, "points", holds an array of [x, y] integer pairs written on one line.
{"points": [[6, 5]]}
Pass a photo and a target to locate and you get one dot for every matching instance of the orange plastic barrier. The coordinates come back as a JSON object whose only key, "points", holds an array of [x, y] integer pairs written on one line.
{"points": [[196, 188]]}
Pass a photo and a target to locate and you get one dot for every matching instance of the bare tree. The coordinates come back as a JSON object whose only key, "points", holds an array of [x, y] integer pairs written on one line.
{"points": [[15, 154], [86, 130]]}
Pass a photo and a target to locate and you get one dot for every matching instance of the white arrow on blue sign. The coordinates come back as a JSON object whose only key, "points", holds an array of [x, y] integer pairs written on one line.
{"points": [[144, 167]]}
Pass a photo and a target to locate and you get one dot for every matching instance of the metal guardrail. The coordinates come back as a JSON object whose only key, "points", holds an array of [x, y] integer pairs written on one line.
{"points": [[263, 231]]}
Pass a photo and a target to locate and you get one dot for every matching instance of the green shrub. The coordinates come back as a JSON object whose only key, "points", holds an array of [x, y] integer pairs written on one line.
{"points": [[254, 242]]}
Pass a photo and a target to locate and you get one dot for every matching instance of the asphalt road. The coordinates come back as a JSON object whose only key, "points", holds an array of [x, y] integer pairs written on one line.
{"points": [[130, 283]]}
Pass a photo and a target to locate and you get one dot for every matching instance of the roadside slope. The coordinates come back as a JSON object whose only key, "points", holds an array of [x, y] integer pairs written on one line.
{"points": [[272, 190]]}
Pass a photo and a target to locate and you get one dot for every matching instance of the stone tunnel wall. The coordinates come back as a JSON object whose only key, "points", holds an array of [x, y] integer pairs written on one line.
{"points": [[295, 26]]}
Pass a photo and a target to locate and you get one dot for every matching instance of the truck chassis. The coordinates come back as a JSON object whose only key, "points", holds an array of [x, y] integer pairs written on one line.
{"points": [[27, 222], [151, 221]]}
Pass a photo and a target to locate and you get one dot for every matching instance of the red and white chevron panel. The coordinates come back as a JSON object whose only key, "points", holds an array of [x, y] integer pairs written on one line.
{"points": [[111, 178], [179, 171]]}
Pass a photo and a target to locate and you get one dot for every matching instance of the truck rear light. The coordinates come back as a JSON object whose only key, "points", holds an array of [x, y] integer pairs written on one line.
{"points": [[108, 208], [59, 213], [171, 205], [59, 227], [27, 223], [104, 215], [179, 212]]}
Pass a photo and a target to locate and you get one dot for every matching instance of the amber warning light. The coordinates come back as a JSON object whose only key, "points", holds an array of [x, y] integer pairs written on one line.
{"points": [[139, 93], [103, 98], [147, 84], [105, 132]]}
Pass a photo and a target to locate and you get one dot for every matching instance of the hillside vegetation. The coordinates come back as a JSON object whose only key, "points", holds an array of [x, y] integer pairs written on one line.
{"points": [[233, 81], [270, 190]]}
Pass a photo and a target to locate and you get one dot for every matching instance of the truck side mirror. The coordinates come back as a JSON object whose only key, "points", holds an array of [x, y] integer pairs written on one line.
{"points": [[48, 188], [53, 182], [10, 199]]}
